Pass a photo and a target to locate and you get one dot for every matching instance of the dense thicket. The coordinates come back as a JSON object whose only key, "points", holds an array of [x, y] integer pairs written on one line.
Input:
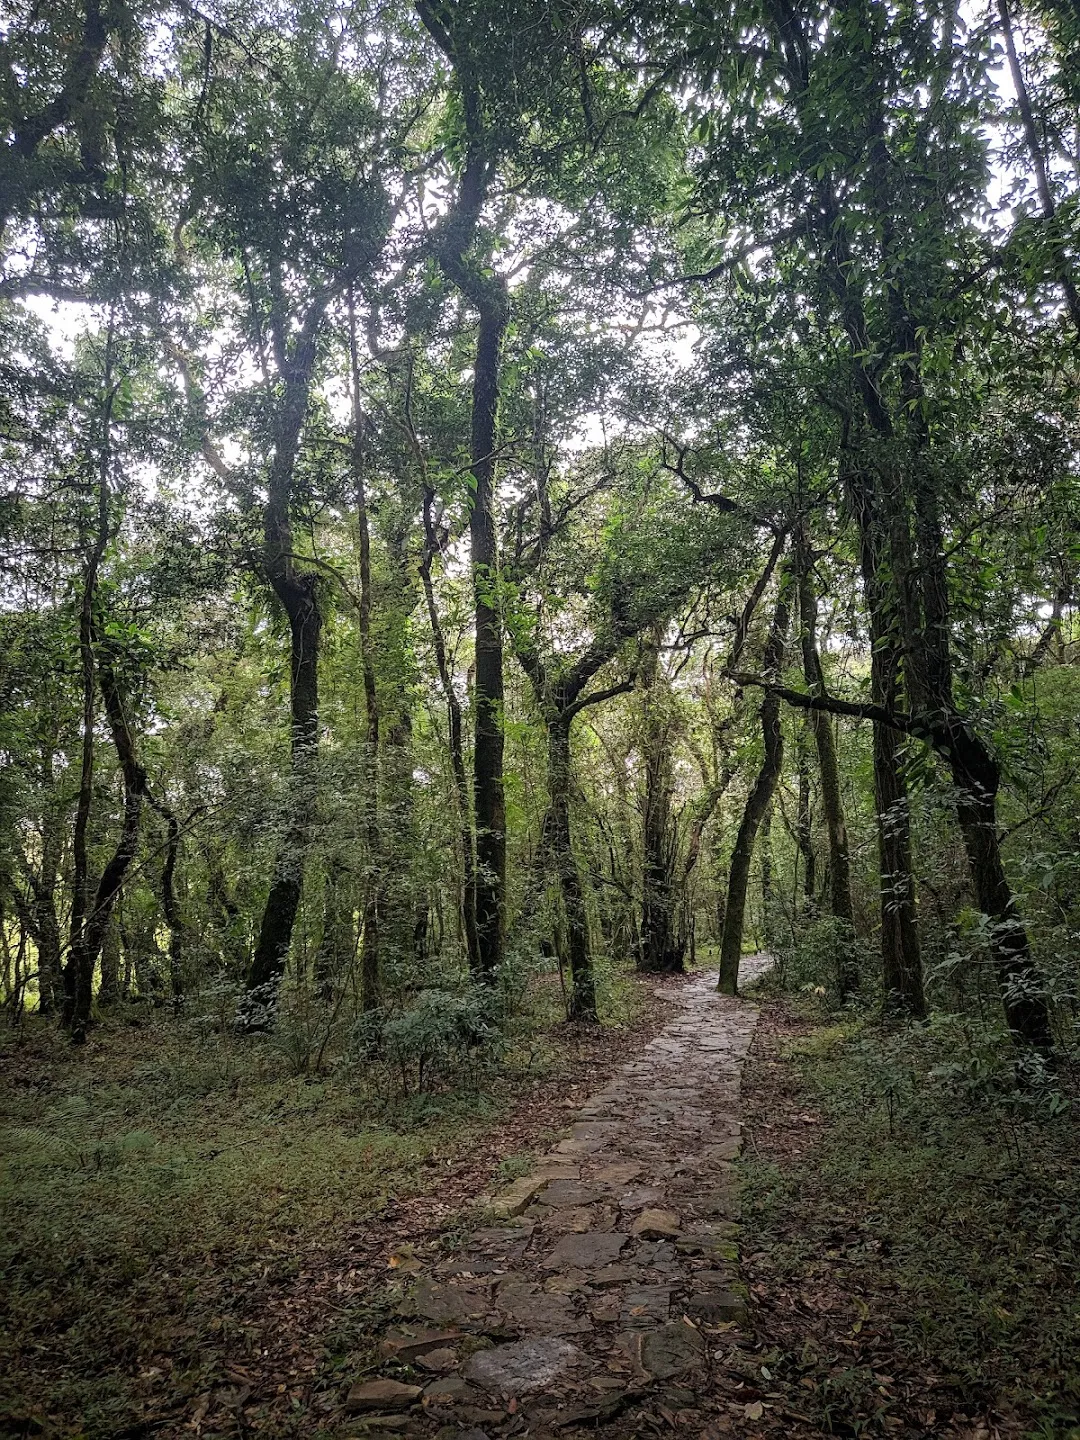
{"points": [[495, 487]]}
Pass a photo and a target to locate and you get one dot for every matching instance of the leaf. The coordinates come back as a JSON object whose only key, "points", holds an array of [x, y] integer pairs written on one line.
{"points": [[754, 1411]]}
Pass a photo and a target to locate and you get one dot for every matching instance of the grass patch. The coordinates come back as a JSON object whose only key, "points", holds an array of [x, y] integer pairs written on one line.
{"points": [[166, 1185]]}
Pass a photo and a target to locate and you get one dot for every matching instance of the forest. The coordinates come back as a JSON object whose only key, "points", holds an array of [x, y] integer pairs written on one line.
{"points": [[520, 521]]}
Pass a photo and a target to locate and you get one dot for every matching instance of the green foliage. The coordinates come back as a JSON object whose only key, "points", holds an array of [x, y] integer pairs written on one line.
{"points": [[440, 1033]]}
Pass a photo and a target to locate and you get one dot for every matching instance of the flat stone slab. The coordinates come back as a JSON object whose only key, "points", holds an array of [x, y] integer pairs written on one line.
{"points": [[539, 1312], [718, 1306], [620, 1173], [578, 1218], [571, 1192], [645, 1305], [672, 1350], [374, 1395], [409, 1347], [589, 1251], [522, 1367], [656, 1225], [449, 1304]]}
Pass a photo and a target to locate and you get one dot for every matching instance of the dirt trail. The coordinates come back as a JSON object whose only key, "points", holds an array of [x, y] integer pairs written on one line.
{"points": [[602, 1294]]}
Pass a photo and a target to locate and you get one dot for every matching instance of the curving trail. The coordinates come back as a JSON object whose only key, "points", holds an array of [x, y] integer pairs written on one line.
{"points": [[612, 1273]]}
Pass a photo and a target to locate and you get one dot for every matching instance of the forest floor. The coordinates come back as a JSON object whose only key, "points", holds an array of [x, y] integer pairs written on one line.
{"points": [[912, 1236], [197, 1238], [198, 1244]]}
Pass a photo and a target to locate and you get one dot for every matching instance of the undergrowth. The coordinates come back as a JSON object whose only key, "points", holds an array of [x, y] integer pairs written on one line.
{"points": [[162, 1181], [944, 1192]]}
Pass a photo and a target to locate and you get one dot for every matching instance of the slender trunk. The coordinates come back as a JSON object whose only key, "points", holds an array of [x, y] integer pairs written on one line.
{"points": [[86, 945], [976, 776], [47, 943], [298, 598], [489, 879], [901, 960], [804, 826], [487, 293], [41, 918], [90, 914], [297, 594], [457, 748], [581, 1000], [840, 902], [757, 802], [768, 890], [369, 950], [169, 903], [660, 953], [78, 985]]}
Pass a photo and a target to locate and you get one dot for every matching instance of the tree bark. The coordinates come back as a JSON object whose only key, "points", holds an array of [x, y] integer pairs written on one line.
{"points": [[369, 944], [901, 959], [487, 293], [298, 598], [757, 802], [821, 724], [660, 952], [581, 1001], [297, 594], [457, 746], [489, 879]]}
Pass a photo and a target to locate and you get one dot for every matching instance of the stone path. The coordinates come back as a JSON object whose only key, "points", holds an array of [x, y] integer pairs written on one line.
{"points": [[612, 1270]]}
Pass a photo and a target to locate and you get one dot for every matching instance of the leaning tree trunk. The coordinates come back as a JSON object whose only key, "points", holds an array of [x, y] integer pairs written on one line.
{"points": [[88, 939], [581, 1001], [977, 777], [757, 802]]}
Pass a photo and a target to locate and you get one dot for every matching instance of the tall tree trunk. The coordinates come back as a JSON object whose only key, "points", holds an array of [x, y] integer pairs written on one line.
{"points": [[489, 879], [659, 952], [901, 960], [758, 801], [977, 778], [487, 293], [369, 944], [840, 902], [581, 1001], [90, 913], [457, 746], [297, 594]]}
